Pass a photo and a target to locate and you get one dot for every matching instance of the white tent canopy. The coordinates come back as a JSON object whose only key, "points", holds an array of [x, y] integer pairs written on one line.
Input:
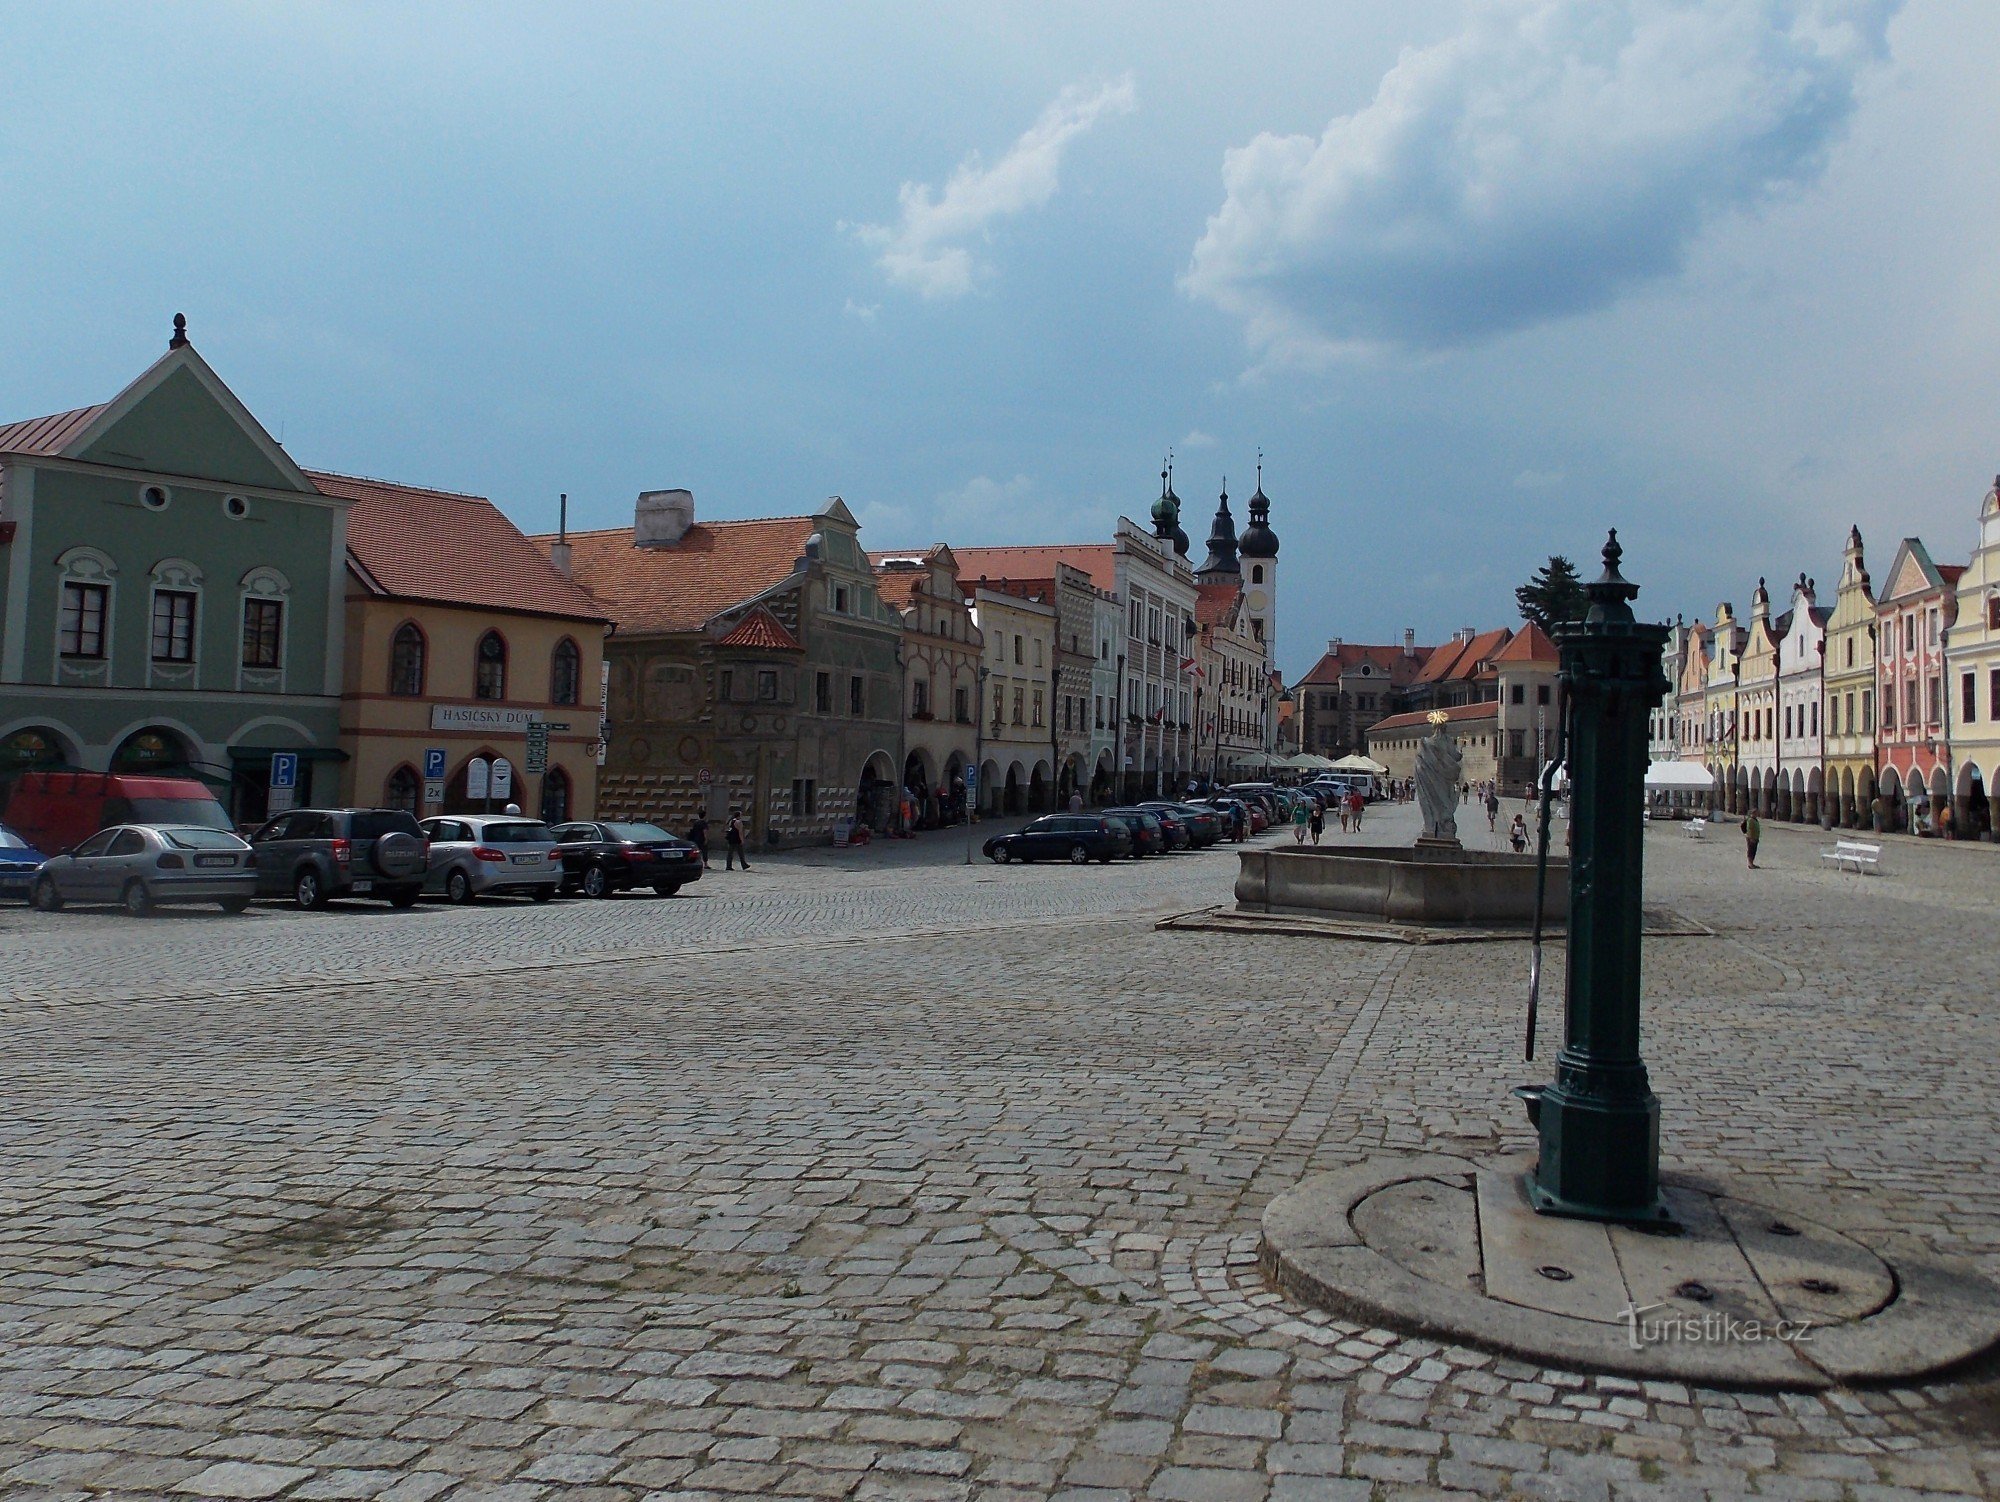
{"points": [[1359, 763], [1677, 777]]}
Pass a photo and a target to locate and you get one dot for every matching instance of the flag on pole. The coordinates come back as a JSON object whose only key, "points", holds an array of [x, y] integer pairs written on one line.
{"points": [[1189, 665]]}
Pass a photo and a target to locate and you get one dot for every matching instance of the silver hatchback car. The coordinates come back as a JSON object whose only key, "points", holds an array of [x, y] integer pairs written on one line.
{"points": [[472, 854], [143, 866]]}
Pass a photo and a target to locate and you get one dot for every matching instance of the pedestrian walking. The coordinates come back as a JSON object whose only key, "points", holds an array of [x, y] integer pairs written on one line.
{"points": [[1517, 833], [1492, 809], [1299, 822], [1340, 802], [1075, 799], [1318, 820], [698, 837], [1753, 831], [734, 839]]}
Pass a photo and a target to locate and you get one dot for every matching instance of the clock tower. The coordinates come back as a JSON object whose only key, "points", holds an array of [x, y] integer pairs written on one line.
{"points": [[1257, 550]]}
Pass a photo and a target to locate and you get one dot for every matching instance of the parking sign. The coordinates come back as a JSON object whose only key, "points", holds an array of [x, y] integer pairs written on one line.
{"points": [[284, 781], [434, 764]]}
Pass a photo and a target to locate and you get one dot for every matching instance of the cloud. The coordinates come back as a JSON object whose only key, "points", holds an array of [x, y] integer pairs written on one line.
{"points": [[1541, 162], [929, 246], [1196, 439], [865, 312]]}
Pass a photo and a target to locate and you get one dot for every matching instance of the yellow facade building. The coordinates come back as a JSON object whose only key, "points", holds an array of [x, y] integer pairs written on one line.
{"points": [[474, 668]]}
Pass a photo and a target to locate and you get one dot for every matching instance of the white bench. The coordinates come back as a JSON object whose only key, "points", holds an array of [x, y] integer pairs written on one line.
{"points": [[1853, 853], [1697, 829]]}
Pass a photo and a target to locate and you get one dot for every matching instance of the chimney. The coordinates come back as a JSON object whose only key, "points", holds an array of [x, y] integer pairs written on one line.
{"points": [[1409, 641], [662, 517], [1333, 644], [559, 551]]}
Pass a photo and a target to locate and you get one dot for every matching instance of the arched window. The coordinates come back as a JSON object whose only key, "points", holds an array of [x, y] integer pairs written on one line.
{"points": [[555, 796], [401, 790], [406, 661], [565, 673], [489, 667], [1256, 573]]}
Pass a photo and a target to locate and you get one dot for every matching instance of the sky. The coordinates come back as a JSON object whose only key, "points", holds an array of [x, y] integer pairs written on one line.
{"points": [[1480, 278]]}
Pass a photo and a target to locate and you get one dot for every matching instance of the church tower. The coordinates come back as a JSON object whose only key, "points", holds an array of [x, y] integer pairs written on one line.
{"points": [[1220, 566], [1259, 549], [1167, 514]]}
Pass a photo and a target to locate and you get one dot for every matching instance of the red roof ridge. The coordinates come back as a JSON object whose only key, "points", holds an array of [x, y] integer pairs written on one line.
{"points": [[734, 521], [760, 628], [397, 485]]}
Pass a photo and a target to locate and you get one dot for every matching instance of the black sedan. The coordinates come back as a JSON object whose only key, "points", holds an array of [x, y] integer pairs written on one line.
{"points": [[1072, 837], [1148, 838], [601, 858]]}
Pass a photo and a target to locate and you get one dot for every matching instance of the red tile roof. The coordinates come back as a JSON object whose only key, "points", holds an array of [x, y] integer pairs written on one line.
{"points": [[1097, 559], [47, 436], [1214, 602], [678, 587], [1462, 659], [1530, 644], [1421, 717], [410, 543], [1350, 655], [763, 630]]}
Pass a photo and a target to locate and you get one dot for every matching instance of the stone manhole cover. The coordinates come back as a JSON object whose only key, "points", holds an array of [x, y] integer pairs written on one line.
{"points": [[1749, 1294]]}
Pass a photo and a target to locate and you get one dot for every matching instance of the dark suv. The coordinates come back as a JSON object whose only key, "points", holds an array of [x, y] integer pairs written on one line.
{"points": [[603, 857], [312, 854]]}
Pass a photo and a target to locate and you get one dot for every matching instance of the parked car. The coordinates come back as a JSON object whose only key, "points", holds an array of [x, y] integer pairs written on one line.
{"points": [[314, 854], [19, 861], [1074, 837], [57, 811], [146, 866], [1172, 825], [601, 858], [473, 854], [1148, 838], [1203, 827], [1238, 822]]}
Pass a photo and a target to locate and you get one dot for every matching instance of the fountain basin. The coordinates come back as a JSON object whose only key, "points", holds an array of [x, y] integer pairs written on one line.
{"points": [[1439, 884]]}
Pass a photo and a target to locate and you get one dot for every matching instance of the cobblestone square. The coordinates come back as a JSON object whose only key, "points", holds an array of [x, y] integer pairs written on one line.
{"points": [[887, 1177]]}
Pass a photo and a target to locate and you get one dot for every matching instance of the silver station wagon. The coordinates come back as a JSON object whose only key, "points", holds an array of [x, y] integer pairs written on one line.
{"points": [[143, 866], [473, 854]]}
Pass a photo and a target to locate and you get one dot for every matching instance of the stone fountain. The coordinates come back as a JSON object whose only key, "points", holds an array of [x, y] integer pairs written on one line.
{"points": [[1436, 882]]}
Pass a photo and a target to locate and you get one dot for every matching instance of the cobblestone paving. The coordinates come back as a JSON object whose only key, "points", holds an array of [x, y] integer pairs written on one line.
{"points": [[927, 1182]]}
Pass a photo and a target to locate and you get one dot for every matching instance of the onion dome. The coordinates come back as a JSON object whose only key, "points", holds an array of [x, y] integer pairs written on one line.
{"points": [[1258, 540]]}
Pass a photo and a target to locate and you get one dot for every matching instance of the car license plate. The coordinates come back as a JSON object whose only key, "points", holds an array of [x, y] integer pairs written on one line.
{"points": [[215, 860], [364, 886], [527, 860]]}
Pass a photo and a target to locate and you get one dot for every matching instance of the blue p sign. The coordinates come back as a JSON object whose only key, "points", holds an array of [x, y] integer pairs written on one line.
{"points": [[434, 764], [284, 769]]}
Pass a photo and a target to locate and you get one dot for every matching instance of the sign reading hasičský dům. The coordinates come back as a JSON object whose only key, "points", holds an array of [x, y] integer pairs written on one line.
{"points": [[488, 717]]}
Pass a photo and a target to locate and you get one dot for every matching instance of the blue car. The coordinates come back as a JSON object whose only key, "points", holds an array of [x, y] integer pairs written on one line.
{"points": [[19, 861]]}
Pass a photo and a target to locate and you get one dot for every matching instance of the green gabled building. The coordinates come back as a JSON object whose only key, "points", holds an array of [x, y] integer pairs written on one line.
{"points": [[171, 590]]}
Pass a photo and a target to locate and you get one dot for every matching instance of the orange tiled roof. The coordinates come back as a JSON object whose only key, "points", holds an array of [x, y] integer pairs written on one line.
{"points": [[411, 543], [1530, 644], [761, 629], [677, 588], [1351, 655], [1214, 603], [1097, 559], [47, 436], [1485, 709]]}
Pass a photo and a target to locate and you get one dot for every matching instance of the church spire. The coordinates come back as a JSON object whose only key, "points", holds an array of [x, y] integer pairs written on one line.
{"points": [[1259, 541], [1221, 564]]}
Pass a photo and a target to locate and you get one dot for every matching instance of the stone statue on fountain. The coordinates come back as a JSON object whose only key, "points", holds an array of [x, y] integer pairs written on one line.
{"points": [[1439, 765]]}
